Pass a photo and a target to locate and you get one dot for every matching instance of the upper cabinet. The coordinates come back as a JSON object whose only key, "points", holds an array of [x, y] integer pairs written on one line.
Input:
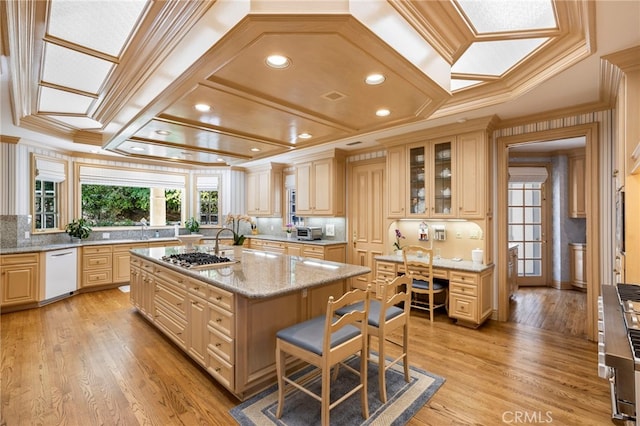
{"points": [[577, 204], [264, 191], [320, 182], [444, 177]]}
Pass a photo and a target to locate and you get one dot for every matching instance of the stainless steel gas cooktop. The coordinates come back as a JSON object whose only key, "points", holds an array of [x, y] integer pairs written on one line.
{"points": [[198, 260]]}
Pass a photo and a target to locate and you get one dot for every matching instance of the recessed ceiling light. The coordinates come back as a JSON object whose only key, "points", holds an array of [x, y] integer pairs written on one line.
{"points": [[278, 61], [203, 107], [373, 79], [163, 132], [220, 160], [304, 135], [94, 151], [254, 149], [383, 112], [137, 148]]}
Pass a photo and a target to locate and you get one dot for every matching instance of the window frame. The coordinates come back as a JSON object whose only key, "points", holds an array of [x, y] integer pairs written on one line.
{"points": [[203, 187], [61, 196], [77, 202]]}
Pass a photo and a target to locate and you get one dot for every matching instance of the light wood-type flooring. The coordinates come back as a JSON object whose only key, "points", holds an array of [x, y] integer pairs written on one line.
{"points": [[92, 360]]}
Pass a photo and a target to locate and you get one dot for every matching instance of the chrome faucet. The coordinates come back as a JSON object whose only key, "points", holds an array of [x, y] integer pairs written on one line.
{"points": [[143, 222], [216, 248]]}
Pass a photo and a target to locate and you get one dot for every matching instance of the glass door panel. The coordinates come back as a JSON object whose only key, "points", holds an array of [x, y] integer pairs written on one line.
{"points": [[526, 228], [417, 187], [442, 179]]}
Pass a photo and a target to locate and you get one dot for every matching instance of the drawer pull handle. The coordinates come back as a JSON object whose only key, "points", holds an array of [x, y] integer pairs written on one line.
{"points": [[218, 320], [218, 345], [217, 369], [179, 304], [219, 298]]}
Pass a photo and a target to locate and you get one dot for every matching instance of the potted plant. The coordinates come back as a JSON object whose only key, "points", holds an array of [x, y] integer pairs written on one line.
{"points": [[78, 229], [192, 225], [396, 245]]}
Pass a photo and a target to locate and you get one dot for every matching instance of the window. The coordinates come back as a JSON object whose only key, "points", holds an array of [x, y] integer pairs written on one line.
{"points": [[208, 188], [123, 197], [525, 226], [48, 194]]}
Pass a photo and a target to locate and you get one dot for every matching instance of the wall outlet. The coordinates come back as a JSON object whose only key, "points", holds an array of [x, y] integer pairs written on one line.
{"points": [[458, 234], [105, 235], [27, 235], [330, 230], [473, 235]]}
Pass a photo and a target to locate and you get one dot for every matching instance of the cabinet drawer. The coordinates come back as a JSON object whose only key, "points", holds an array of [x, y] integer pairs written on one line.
{"points": [[441, 273], [221, 370], [97, 261], [136, 261], [462, 307], [198, 288], [172, 326], [96, 250], [221, 320], [18, 259], [221, 298], [170, 276], [221, 344], [172, 297], [459, 288], [389, 268], [126, 247], [463, 277], [96, 277], [313, 251]]}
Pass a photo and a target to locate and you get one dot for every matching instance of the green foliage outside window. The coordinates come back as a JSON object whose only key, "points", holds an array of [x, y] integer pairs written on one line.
{"points": [[124, 206]]}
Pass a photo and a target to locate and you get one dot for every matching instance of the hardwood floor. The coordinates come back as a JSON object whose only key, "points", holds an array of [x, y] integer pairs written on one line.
{"points": [[91, 359], [564, 311]]}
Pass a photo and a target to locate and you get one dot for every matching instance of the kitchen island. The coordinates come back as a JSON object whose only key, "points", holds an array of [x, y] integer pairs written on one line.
{"points": [[226, 316]]}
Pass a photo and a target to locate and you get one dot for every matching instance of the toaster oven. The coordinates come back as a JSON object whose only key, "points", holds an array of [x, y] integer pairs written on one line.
{"points": [[309, 233]]}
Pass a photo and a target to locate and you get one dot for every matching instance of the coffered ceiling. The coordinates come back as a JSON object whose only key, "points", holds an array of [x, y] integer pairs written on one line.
{"points": [[126, 76]]}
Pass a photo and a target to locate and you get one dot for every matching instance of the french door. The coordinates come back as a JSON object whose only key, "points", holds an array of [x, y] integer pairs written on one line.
{"points": [[528, 229]]}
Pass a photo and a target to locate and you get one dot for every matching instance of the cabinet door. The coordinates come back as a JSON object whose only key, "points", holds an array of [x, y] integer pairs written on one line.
{"points": [[396, 182], [197, 334], [322, 187], [303, 189], [577, 205], [417, 181], [19, 284], [253, 193], [471, 175], [442, 179]]}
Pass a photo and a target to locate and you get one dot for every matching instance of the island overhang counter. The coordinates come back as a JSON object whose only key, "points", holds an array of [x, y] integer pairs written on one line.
{"points": [[226, 316]]}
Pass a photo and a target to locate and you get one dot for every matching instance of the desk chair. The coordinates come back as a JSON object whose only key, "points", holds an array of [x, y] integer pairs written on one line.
{"points": [[418, 263], [384, 317], [325, 342]]}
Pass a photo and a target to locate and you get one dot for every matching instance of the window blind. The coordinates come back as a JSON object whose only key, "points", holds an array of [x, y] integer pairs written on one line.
{"points": [[51, 171], [528, 174], [91, 175], [208, 183]]}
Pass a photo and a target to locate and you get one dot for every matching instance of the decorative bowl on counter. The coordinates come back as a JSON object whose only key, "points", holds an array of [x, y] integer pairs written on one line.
{"points": [[190, 239]]}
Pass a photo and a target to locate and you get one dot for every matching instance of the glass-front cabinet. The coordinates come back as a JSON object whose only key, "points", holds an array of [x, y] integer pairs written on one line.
{"points": [[431, 179], [417, 181], [442, 178]]}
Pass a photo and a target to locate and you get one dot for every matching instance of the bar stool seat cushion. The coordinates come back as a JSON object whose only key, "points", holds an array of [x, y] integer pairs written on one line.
{"points": [[424, 285], [309, 334], [374, 312]]}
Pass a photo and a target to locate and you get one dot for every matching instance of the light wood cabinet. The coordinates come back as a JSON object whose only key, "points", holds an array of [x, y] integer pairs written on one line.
{"points": [[512, 270], [578, 262], [577, 199], [320, 186], [97, 266], [264, 191], [333, 252], [20, 278], [469, 292], [442, 178], [121, 261]]}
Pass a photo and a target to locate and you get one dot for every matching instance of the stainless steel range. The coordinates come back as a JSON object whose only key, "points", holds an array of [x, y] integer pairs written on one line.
{"points": [[621, 309]]}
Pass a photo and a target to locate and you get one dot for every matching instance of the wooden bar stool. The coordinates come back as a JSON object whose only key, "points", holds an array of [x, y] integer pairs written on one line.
{"points": [[324, 342]]}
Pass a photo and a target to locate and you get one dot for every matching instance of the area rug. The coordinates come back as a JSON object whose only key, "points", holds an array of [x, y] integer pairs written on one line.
{"points": [[403, 400]]}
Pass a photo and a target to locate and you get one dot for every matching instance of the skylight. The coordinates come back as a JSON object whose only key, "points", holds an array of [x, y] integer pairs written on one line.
{"points": [[495, 57], [497, 16]]}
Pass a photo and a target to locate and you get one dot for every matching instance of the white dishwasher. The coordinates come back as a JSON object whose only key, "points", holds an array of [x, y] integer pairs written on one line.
{"points": [[61, 272]]}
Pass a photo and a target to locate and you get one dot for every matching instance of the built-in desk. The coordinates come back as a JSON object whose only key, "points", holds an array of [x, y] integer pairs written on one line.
{"points": [[470, 285]]}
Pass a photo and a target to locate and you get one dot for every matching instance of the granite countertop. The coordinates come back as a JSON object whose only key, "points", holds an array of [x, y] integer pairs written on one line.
{"points": [[50, 247], [322, 242], [259, 274], [459, 265]]}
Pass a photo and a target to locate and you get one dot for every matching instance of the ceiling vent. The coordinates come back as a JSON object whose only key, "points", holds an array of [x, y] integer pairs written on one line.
{"points": [[334, 96]]}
